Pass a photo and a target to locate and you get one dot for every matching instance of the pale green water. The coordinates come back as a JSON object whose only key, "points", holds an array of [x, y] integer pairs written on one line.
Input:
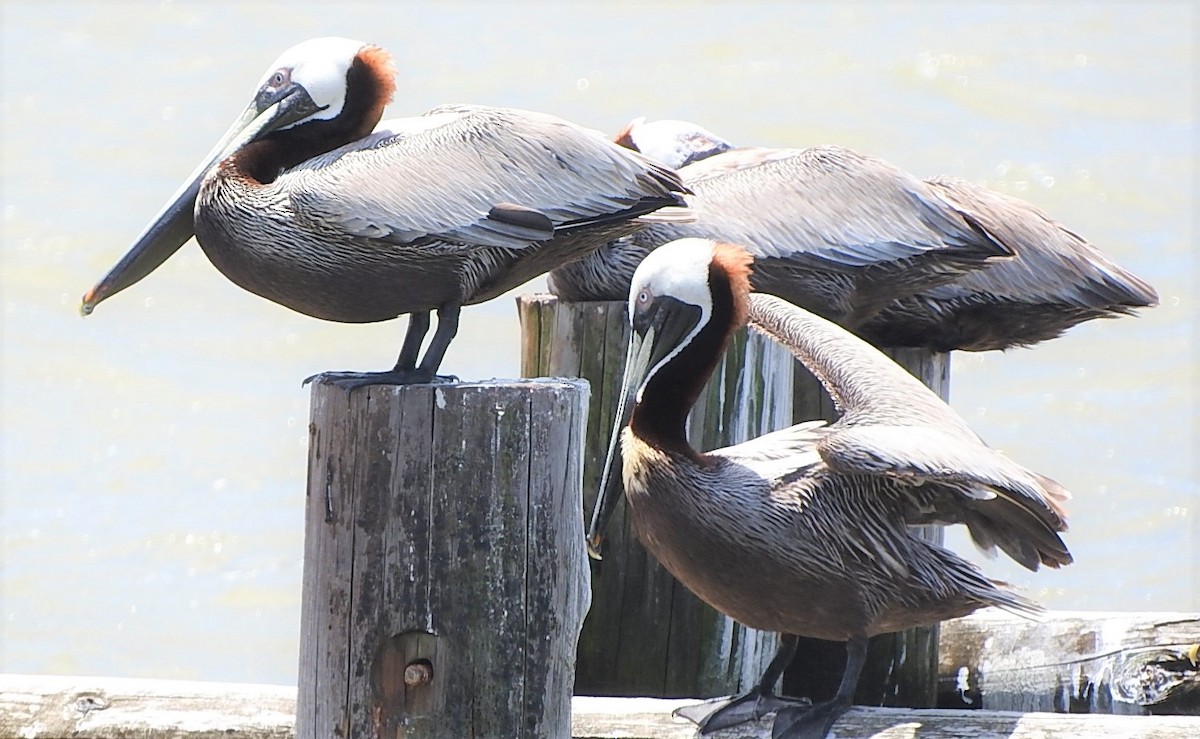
{"points": [[154, 455]]}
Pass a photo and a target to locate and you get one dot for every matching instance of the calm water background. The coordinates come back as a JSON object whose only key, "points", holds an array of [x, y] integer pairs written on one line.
{"points": [[154, 454]]}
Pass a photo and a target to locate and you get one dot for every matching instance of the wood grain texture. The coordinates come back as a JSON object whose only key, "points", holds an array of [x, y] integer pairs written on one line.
{"points": [[1081, 662], [443, 533], [56, 706], [646, 634], [52, 707], [647, 718]]}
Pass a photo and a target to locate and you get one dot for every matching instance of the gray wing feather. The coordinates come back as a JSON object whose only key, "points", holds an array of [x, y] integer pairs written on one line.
{"points": [[1054, 264], [438, 177], [866, 386], [894, 426], [779, 454], [920, 454], [832, 206]]}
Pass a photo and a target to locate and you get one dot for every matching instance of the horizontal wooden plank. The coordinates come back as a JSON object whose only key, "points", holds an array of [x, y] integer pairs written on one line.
{"points": [[44, 706], [648, 718], [1077, 662]]}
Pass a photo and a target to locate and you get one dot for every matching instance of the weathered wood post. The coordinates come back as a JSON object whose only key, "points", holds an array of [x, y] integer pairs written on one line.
{"points": [[646, 634], [901, 668], [445, 578]]}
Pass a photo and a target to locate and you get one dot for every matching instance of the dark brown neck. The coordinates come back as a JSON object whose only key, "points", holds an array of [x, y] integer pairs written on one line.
{"points": [[660, 419], [366, 96]]}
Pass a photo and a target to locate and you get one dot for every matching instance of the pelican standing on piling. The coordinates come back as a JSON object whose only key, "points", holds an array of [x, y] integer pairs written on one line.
{"points": [[776, 202], [804, 531], [311, 202]]}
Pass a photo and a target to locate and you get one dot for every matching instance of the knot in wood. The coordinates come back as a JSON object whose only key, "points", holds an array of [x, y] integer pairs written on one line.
{"points": [[85, 703], [418, 673]]}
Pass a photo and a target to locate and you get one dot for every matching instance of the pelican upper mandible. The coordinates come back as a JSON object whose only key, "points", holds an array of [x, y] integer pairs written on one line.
{"points": [[762, 197], [309, 201], [806, 531]]}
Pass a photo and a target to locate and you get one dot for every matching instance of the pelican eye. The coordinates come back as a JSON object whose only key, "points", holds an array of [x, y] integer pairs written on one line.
{"points": [[643, 297], [280, 78]]}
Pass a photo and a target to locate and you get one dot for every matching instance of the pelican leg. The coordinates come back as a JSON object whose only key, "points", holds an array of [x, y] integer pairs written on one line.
{"points": [[760, 701], [406, 371], [446, 329], [418, 326], [815, 722]]}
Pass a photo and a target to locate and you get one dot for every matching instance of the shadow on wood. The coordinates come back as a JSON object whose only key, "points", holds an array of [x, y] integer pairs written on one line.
{"points": [[445, 578]]}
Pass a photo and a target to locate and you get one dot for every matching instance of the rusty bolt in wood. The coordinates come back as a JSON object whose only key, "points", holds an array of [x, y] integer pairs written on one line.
{"points": [[417, 673]]}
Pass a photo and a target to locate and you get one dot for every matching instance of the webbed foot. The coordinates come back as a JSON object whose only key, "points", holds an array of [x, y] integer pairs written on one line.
{"points": [[813, 722], [351, 380], [749, 707]]}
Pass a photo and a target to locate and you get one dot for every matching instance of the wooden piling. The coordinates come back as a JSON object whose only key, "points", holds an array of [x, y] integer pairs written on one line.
{"points": [[646, 634], [445, 578]]}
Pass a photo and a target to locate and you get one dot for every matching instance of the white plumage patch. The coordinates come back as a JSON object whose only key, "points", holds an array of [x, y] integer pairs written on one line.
{"points": [[320, 65], [674, 142], [678, 269]]}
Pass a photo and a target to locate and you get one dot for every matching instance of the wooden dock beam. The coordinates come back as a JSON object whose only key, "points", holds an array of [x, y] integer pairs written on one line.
{"points": [[1074, 661], [991, 659], [445, 578], [53, 707]]}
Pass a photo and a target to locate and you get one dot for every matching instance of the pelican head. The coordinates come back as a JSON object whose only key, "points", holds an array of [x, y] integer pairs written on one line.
{"points": [[687, 295], [326, 91], [674, 143]]}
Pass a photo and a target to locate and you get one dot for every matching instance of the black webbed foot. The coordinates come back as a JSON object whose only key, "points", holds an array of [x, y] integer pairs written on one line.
{"points": [[351, 380], [813, 722], [749, 707]]}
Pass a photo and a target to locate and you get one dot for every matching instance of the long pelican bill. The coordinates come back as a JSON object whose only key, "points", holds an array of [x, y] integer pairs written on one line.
{"points": [[637, 362], [175, 224], [659, 330]]}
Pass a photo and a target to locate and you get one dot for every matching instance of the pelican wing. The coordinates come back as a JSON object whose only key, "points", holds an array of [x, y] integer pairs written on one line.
{"points": [[1055, 264], [957, 480], [894, 427], [866, 386], [922, 454], [734, 160], [827, 206], [473, 175], [778, 455]]}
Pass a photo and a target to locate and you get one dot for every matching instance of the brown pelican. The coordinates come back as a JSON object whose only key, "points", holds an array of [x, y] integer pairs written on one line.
{"points": [[835, 231], [804, 531], [1056, 281], [311, 202]]}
